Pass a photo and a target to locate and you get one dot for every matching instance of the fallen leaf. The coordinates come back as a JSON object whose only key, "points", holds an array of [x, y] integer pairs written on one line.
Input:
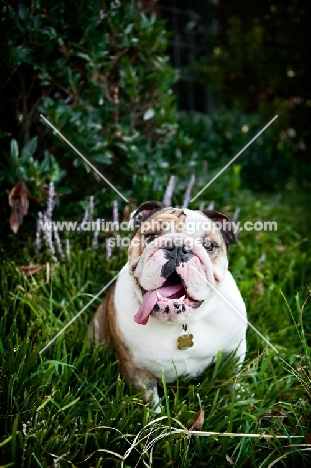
{"points": [[198, 420], [32, 269], [18, 201], [229, 459]]}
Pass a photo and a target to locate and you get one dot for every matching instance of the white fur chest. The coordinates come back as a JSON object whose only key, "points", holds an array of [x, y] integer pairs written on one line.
{"points": [[154, 345]]}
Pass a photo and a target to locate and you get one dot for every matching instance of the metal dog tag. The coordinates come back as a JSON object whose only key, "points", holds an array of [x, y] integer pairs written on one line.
{"points": [[185, 341]]}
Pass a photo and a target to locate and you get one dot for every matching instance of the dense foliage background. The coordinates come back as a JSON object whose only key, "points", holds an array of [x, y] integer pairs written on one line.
{"points": [[102, 77], [98, 72], [258, 61]]}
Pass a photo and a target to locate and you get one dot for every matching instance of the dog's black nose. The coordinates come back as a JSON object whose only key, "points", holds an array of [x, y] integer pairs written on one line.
{"points": [[178, 251]]}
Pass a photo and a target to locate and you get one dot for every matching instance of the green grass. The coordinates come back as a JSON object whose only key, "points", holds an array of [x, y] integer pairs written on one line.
{"points": [[69, 407]]}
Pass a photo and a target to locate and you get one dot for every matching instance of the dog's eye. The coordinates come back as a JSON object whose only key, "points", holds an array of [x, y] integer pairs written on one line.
{"points": [[150, 237], [208, 245]]}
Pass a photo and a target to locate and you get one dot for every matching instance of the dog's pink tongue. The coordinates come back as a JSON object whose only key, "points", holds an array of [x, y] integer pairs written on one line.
{"points": [[150, 299]]}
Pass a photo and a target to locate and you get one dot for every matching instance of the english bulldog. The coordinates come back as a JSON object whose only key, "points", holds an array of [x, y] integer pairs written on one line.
{"points": [[174, 304]]}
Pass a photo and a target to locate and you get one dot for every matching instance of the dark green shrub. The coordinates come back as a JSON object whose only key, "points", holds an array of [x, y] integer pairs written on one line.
{"points": [[98, 71]]}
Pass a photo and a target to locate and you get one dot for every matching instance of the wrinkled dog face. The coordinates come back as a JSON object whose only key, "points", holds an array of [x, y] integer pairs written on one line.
{"points": [[174, 257]]}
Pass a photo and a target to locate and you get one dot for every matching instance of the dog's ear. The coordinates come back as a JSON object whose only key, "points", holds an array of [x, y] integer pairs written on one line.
{"points": [[227, 227], [144, 211]]}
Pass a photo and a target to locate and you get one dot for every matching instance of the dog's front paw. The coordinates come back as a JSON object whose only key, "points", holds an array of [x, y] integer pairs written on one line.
{"points": [[158, 408], [151, 396]]}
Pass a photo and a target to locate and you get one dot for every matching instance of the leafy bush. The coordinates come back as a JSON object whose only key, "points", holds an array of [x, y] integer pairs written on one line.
{"points": [[207, 143], [102, 78], [98, 72], [22, 164]]}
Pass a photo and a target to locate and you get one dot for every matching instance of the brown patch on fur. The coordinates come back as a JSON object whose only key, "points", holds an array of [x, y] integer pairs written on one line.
{"points": [[99, 329], [104, 327], [176, 217], [218, 240], [227, 231]]}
